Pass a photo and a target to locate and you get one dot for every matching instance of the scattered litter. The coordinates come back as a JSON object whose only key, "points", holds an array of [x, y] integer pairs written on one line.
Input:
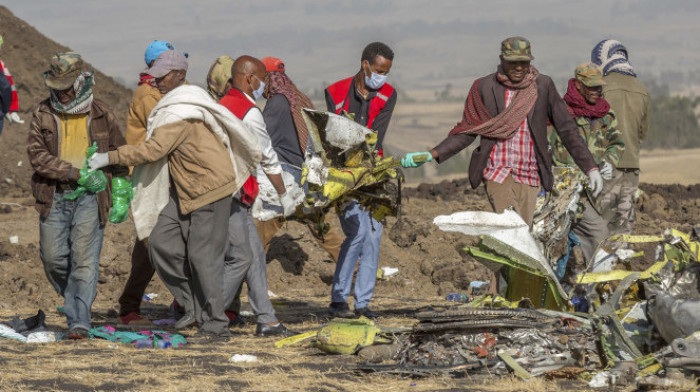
{"points": [[8, 180], [243, 358], [141, 339], [271, 294], [246, 313], [457, 297], [148, 297], [45, 337], [14, 239], [19, 163], [165, 321], [389, 271]]}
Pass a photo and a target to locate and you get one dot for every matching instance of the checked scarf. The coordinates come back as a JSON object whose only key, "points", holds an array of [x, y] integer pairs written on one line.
{"points": [[478, 121], [83, 95], [279, 83], [579, 107]]}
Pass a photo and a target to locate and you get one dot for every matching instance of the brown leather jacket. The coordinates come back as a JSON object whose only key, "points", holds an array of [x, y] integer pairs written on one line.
{"points": [[43, 147], [549, 106]]}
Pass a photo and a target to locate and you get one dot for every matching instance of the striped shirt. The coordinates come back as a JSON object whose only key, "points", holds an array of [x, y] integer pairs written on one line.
{"points": [[514, 156]]}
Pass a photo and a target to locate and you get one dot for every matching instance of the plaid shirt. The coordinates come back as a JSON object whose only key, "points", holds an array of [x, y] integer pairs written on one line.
{"points": [[514, 156]]}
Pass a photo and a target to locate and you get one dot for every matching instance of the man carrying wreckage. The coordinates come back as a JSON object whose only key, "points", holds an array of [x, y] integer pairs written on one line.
{"points": [[245, 257], [196, 155], [371, 101], [71, 225], [597, 126], [509, 110], [146, 97]]}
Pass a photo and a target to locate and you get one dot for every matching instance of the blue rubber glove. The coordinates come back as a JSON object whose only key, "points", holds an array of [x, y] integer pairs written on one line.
{"points": [[415, 159]]}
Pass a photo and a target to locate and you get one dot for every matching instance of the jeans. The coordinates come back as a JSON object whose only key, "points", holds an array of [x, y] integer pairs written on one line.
{"points": [[70, 241], [362, 237]]}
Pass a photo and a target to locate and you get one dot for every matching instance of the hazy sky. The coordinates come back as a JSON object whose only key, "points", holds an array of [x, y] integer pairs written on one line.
{"points": [[435, 41]]}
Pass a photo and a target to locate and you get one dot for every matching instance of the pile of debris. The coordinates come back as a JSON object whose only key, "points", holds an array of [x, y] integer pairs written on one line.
{"points": [[341, 163]]}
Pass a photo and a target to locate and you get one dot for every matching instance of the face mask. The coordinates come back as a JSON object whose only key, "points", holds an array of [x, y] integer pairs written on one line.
{"points": [[259, 92], [375, 81]]}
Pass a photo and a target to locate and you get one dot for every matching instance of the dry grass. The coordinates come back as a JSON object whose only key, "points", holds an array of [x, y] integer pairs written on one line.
{"points": [[99, 365]]}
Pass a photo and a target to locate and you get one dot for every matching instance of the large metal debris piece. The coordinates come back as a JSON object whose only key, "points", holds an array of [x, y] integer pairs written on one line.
{"points": [[343, 164], [506, 240]]}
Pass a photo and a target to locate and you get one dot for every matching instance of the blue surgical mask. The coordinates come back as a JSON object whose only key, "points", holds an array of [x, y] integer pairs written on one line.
{"points": [[259, 92], [375, 81]]}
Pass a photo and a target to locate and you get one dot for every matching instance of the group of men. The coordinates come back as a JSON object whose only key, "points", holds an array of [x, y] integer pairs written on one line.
{"points": [[193, 156], [525, 127]]}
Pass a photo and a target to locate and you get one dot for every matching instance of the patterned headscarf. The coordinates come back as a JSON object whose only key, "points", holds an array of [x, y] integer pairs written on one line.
{"points": [[83, 95], [279, 83], [611, 55]]}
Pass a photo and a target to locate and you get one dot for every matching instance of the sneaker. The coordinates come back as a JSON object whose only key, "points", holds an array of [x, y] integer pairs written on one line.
{"points": [[78, 333], [234, 319], [134, 318], [340, 309], [366, 312]]}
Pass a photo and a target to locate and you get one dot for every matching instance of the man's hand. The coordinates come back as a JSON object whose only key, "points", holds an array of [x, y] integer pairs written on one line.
{"points": [[606, 170], [97, 161], [287, 204], [13, 117], [595, 182], [416, 159]]}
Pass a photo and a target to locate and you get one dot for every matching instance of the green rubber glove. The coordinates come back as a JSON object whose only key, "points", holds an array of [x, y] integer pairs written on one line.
{"points": [[415, 159]]}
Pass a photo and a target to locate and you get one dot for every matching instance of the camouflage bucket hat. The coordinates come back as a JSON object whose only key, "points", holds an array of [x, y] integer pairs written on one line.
{"points": [[219, 74], [516, 49], [590, 75], [64, 68]]}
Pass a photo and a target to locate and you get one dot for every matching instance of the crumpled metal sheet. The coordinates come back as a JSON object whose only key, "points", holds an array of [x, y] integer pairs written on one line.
{"points": [[343, 164], [509, 237], [675, 316]]}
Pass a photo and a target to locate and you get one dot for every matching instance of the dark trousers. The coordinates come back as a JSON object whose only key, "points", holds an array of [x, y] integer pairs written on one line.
{"points": [[188, 254], [141, 274]]}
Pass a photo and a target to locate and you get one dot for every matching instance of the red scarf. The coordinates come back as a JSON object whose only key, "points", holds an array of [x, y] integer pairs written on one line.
{"points": [[477, 120], [147, 79], [579, 107]]}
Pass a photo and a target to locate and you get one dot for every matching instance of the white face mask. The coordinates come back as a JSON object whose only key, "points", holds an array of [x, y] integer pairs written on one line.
{"points": [[375, 81], [259, 92]]}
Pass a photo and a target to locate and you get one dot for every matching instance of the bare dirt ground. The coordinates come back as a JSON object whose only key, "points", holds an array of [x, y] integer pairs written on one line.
{"points": [[430, 265]]}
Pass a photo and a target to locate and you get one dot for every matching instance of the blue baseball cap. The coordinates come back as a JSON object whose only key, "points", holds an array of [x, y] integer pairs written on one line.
{"points": [[155, 49]]}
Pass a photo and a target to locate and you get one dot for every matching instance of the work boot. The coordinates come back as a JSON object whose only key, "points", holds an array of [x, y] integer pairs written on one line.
{"points": [[340, 309], [134, 318], [78, 333], [359, 312], [274, 330], [185, 321]]}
